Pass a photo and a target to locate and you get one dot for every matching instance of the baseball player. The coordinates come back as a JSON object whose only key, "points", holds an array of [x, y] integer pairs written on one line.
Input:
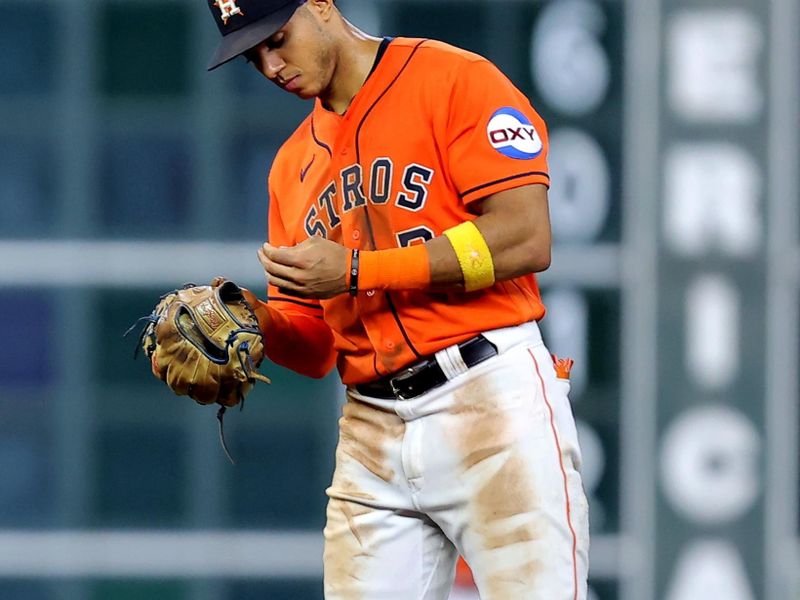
{"points": [[408, 214]]}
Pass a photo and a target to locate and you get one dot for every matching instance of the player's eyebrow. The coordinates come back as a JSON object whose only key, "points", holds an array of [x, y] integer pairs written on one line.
{"points": [[275, 39]]}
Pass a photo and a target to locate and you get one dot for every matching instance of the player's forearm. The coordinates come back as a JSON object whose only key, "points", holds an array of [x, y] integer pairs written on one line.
{"points": [[515, 252], [516, 227], [511, 236], [511, 251], [298, 342], [509, 239]]}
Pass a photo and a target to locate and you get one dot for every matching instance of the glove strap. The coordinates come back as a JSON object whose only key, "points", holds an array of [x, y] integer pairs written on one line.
{"points": [[220, 418]]}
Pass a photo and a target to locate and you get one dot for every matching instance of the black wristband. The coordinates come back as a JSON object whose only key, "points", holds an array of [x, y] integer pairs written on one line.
{"points": [[354, 273]]}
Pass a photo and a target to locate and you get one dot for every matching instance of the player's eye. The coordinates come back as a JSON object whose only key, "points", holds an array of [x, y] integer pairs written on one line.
{"points": [[276, 41]]}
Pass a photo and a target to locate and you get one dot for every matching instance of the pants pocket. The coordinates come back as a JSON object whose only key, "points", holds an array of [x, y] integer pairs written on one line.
{"points": [[565, 423]]}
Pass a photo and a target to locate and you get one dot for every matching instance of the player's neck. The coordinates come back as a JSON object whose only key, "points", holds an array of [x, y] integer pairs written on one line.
{"points": [[355, 57]]}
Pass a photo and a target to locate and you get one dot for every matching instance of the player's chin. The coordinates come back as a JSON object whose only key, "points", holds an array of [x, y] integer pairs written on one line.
{"points": [[302, 93], [305, 93], [305, 89]]}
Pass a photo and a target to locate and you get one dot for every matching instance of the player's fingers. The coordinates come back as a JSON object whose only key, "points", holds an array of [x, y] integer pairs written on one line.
{"points": [[284, 273], [262, 258], [273, 268], [289, 288], [284, 285], [284, 256]]}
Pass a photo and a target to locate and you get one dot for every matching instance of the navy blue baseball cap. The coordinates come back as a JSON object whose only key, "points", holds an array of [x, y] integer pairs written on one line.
{"points": [[246, 23]]}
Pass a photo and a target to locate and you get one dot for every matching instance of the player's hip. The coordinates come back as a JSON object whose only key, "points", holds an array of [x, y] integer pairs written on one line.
{"points": [[497, 365]]}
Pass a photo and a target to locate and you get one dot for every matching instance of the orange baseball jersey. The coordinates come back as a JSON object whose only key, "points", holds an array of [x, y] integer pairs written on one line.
{"points": [[433, 129]]}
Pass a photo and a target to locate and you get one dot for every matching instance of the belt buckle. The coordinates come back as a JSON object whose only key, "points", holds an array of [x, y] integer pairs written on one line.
{"points": [[403, 376]]}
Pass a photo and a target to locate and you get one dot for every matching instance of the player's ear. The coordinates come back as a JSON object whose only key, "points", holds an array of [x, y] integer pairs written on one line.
{"points": [[322, 8]]}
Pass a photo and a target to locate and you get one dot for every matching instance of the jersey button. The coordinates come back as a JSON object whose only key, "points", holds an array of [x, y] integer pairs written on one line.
{"points": [[390, 345], [356, 234]]}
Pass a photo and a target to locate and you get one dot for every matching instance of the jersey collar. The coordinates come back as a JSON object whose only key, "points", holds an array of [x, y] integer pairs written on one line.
{"points": [[388, 62]]}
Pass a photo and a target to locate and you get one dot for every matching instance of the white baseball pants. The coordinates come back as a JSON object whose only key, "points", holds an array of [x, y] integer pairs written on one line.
{"points": [[486, 466]]}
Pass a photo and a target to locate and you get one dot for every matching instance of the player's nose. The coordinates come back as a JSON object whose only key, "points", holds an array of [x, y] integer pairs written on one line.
{"points": [[273, 63], [267, 61]]}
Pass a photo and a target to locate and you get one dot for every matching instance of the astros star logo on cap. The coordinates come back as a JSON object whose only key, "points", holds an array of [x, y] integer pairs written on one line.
{"points": [[256, 20], [228, 8]]}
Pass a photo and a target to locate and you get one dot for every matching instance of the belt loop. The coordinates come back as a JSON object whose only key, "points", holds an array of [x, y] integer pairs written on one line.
{"points": [[451, 362]]}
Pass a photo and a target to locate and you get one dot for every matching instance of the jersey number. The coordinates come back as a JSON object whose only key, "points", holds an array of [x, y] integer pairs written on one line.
{"points": [[416, 235]]}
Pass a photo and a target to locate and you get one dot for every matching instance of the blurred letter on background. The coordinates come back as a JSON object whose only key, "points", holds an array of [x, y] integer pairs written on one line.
{"points": [[712, 200], [713, 59]]}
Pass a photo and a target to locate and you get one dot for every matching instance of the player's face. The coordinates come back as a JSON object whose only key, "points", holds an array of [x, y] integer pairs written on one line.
{"points": [[298, 57]]}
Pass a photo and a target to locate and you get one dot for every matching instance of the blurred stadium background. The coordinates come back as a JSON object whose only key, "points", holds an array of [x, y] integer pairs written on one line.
{"points": [[126, 169]]}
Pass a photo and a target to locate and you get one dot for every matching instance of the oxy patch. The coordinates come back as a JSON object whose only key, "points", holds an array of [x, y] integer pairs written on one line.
{"points": [[512, 134]]}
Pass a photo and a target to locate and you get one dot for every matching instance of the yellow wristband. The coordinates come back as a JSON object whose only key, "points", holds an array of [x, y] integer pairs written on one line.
{"points": [[473, 255]]}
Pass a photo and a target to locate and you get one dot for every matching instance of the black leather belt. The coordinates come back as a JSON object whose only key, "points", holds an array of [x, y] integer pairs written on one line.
{"points": [[425, 375]]}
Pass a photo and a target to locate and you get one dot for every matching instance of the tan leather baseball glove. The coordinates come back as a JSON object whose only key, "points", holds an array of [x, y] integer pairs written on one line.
{"points": [[204, 342]]}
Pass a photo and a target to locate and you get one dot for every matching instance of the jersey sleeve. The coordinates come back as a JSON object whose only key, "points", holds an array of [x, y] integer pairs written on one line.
{"points": [[295, 334], [278, 236], [495, 139]]}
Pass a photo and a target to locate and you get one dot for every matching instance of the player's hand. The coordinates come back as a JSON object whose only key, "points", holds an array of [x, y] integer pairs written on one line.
{"points": [[316, 268], [250, 298]]}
